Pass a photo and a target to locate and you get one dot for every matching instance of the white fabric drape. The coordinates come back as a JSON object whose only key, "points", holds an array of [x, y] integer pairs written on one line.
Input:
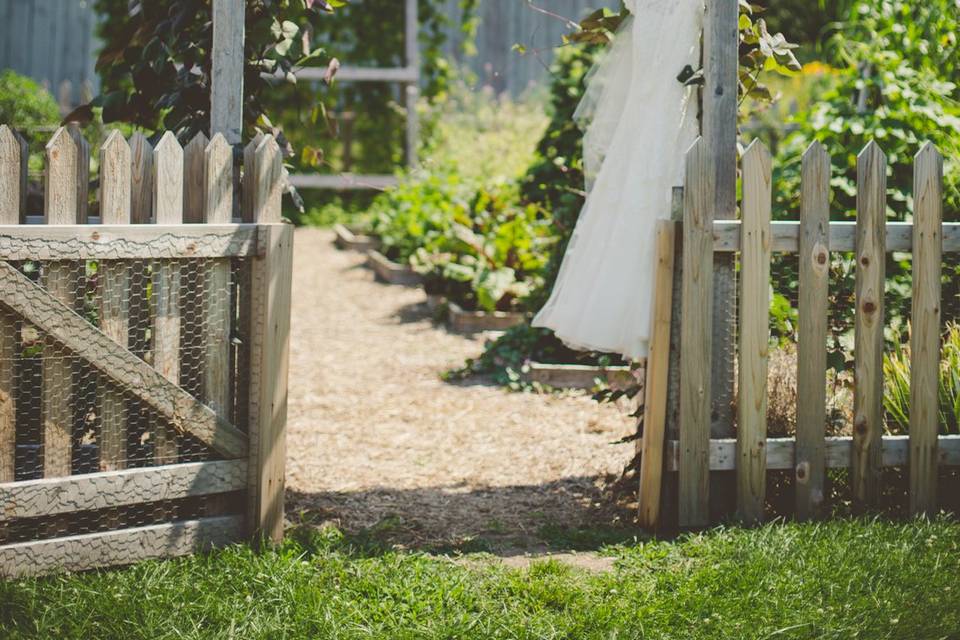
{"points": [[639, 122]]}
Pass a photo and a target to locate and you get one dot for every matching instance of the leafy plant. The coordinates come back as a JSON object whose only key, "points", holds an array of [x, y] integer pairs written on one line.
{"points": [[27, 107], [896, 375]]}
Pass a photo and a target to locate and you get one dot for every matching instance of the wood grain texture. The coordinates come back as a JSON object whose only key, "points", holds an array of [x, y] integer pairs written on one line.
{"points": [[810, 472], [11, 198], [95, 491], [118, 242], [61, 206], [696, 338], [194, 179], [167, 322], [754, 334], [141, 190], [226, 96], [268, 189], [83, 173], [114, 281], [114, 548], [895, 452], [218, 194], [62, 323], [925, 329], [868, 326], [842, 236], [270, 345], [658, 363]]}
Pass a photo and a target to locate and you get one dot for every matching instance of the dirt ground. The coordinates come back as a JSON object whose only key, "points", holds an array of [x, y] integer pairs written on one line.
{"points": [[377, 442]]}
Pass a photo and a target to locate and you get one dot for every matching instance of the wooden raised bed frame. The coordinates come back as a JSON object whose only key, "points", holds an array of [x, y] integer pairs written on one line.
{"points": [[351, 240], [479, 321], [386, 270]]}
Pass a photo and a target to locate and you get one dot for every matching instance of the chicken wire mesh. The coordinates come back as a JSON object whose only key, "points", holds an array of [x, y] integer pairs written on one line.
{"points": [[183, 318]]}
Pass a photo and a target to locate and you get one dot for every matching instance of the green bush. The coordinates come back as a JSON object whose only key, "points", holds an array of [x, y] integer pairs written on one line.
{"points": [[27, 107]]}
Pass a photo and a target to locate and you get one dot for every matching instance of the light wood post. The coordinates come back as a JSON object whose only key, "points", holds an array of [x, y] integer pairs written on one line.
{"points": [[411, 29], [695, 356], [226, 113], [270, 336], [754, 334], [868, 325], [812, 339], [925, 337], [11, 202]]}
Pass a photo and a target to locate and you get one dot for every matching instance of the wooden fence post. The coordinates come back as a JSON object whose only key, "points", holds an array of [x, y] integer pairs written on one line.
{"points": [[168, 209], [925, 337], [658, 363], [755, 243], [226, 96], [812, 339], [11, 202], [695, 356], [868, 327], [114, 279], [61, 206], [270, 336]]}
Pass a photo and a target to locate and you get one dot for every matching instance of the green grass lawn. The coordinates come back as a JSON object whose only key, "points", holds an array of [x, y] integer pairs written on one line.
{"points": [[840, 579]]}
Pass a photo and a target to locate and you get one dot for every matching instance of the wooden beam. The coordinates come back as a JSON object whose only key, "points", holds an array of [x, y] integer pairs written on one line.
{"points": [[226, 95], [895, 452], [94, 491], [62, 324], [842, 236], [126, 242], [412, 90], [115, 548], [357, 74], [343, 181], [11, 199]]}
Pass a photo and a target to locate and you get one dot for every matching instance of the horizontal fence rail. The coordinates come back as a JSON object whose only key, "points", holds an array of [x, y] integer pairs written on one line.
{"points": [[142, 357], [812, 239]]}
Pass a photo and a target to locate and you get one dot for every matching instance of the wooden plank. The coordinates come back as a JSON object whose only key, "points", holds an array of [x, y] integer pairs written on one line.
{"points": [[194, 181], [108, 489], [868, 326], [167, 209], [218, 208], [719, 129], [357, 74], [658, 363], [64, 325], [141, 193], [895, 452], [343, 181], [114, 548], [120, 242], [61, 206], [83, 173], [269, 350], [754, 334], [925, 329], [114, 281], [412, 90], [810, 471], [226, 96], [11, 199], [843, 236], [696, 338]]}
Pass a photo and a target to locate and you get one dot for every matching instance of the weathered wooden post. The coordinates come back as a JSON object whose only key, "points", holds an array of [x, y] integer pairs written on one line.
{"points": [[412, 88], [226, 114]]}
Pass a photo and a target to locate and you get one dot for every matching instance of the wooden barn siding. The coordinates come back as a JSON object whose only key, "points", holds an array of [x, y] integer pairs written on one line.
{"points": [[505, 23], [50, 41]]}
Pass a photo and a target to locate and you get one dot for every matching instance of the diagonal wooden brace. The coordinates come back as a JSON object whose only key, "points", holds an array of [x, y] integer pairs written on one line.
{"points": [[185, 413]]}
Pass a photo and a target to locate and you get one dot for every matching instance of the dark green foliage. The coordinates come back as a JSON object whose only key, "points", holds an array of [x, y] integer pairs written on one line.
{"points": [[27, 107], [832, 580]]}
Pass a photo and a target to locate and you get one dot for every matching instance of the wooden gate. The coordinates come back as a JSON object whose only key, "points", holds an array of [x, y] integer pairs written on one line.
{"points": [[677, 442], [143, 351]]}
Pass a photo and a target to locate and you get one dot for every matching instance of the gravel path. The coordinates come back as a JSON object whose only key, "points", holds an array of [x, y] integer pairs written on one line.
{"points": [[377, 440]]}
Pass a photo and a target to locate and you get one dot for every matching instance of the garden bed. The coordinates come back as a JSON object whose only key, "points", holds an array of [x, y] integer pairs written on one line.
{"points": [[579, 376], [351, 239], [462, 321], [391, 272]]}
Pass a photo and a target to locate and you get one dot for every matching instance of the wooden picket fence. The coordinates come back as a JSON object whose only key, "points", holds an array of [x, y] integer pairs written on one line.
{"points": [[104, 320], [685, 450]]}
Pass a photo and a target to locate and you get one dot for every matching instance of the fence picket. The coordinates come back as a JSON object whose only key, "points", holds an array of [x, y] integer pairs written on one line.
{"points": [[114, 279], [810, 471], [925, 323], [695, 356], [11, 205], [61, 206], [754, 334], [191, 274], [868, 325], [218, 209], [168, 209]]}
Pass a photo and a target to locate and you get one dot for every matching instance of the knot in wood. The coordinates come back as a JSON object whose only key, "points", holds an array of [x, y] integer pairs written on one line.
{"points": [[869, 306], [860, 427], [822, 258], [865, 261]]}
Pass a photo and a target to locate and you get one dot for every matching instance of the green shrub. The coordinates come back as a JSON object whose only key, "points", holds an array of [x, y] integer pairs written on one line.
{"points": [[896, 376], [27, 107]]}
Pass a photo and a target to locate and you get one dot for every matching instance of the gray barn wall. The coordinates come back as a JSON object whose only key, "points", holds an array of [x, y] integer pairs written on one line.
{"points": [[50, 41]]}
